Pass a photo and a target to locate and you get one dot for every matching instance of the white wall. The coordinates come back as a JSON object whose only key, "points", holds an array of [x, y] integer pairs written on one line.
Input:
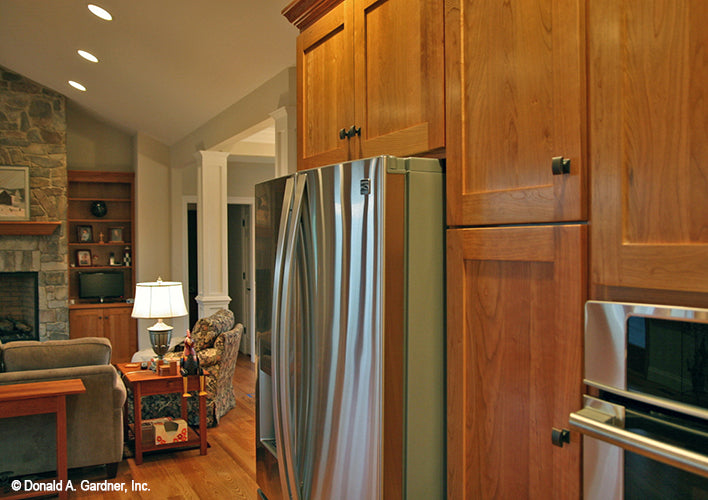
{"points": [[93, 144], [243, 176], [152, 224], [253, 109], [279, 91]]}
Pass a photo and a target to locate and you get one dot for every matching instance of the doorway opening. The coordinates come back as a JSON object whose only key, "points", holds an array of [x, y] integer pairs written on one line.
{"points": [[239, 248], [240, 265]]}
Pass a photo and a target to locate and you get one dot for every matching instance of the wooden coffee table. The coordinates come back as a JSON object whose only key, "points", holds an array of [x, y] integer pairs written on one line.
{"points": [[148, 383], [19, 400]]}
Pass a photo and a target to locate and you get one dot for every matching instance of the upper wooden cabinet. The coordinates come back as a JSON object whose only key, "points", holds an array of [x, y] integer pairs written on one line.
{"points": [[515, 84], [648, 103], [370, 79]]}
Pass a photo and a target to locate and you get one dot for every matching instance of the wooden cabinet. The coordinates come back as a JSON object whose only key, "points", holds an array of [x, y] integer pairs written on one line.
{"points": [[515, 315], [515, 85], [99, 243], [112, 321], [370, 79], [648, 80]]}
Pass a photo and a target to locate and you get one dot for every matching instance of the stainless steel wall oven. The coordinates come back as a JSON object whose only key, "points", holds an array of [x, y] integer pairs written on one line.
{"points": [[645, 414]]}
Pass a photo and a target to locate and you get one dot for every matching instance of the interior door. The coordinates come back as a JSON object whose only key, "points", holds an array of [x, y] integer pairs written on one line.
{"points": [[246, 281]]}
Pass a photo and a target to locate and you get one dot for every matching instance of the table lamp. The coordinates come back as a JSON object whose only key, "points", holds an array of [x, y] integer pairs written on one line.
{"points": [[159, 300]]}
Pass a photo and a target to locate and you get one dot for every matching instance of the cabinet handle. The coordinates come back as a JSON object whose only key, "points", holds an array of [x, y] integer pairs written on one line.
{"points": [[560, 165], [560, 437], [348, 134]]}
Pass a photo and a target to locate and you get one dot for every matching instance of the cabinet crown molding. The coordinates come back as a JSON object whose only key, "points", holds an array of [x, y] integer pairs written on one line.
{"points": [[302, 13]]}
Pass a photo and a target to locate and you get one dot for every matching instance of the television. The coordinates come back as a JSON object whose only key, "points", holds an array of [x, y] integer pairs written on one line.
{"points": [[101, 285]]}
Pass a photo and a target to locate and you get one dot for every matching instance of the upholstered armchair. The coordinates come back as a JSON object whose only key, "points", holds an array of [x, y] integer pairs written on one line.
{"points": [[216, 340], [94, 419]]}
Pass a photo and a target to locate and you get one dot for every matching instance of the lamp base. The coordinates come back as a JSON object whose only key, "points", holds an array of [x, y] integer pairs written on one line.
{"points": [[160, 337]]}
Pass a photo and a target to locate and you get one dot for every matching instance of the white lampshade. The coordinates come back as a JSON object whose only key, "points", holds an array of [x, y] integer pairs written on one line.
{"points": [[159, 299]]}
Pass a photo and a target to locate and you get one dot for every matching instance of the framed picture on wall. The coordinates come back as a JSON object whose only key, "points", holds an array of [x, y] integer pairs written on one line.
{"points": [[14, 193], [83, 258]]}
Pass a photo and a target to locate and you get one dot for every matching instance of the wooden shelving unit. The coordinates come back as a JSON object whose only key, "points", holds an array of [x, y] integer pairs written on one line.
{"points": [[95, 242]]}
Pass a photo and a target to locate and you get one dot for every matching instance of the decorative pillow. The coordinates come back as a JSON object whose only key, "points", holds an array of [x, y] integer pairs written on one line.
{"points": [[206, 330], [203, 335], [209, 357]]}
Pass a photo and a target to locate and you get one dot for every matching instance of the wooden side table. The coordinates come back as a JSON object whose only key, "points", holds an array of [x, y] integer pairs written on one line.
{"points": [[148, 383], [19, 400]]}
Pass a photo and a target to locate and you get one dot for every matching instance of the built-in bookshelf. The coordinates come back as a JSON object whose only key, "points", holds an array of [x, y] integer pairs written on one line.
{"points": [[100, 216]]}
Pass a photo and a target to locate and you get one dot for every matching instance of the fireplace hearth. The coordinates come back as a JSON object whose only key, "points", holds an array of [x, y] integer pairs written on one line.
{"points": [[19, 310]]}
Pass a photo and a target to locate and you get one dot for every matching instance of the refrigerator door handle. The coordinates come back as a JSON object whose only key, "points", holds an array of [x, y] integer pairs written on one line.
{"points": [[282, 392], [278, 276]]}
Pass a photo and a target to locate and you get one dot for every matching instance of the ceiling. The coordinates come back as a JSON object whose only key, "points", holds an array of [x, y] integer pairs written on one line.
{"points": [[165, 66]]}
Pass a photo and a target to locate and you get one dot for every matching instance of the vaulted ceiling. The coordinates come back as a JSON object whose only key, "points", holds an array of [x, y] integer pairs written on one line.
{"points": [[165, 66]]}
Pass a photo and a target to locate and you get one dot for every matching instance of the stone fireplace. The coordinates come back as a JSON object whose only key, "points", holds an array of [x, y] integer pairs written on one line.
{"points": [[19, 316], [33, 134]]}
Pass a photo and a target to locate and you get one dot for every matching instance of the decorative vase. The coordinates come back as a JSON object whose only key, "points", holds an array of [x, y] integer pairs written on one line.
{"points": [[99, 209]]}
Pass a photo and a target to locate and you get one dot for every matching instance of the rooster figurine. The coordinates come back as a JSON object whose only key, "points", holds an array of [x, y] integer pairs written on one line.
{"points": [[189, 365]]}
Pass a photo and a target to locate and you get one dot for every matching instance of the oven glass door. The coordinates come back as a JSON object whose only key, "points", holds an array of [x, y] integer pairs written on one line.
{"points": [[645, 478], [662, 454], [668, 359]]}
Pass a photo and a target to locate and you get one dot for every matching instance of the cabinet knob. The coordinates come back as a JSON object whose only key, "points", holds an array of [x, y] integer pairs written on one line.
{"points": [[348, 134], [560, 436], [560, 165]]}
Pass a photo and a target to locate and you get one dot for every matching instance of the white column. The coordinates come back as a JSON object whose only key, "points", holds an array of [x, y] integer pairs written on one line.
{"points": [[285, 140], [212, 248]]}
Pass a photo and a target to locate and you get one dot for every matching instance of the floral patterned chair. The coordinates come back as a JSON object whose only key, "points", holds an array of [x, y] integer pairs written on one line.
{"points": [[216, 340]]}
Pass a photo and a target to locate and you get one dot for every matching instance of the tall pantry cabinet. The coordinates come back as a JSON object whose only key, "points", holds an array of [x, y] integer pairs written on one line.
{"points": [[636, 75], [517, 245]]}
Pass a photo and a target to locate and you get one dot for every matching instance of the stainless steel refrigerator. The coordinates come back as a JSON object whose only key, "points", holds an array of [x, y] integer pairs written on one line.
{"points": [[350, 390]]}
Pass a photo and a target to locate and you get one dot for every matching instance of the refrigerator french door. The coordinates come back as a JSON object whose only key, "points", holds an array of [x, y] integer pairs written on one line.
{"points": [[351, 341]]}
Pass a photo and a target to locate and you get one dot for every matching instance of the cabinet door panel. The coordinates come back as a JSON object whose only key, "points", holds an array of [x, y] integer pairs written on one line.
{"points": [[85, 323], [325, 88], [119, 328], [399, 75], [515, 309], [647, 94], [515, 74]]}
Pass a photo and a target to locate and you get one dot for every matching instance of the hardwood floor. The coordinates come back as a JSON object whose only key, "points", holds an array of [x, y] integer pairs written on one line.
{"points": [[227, 471]]}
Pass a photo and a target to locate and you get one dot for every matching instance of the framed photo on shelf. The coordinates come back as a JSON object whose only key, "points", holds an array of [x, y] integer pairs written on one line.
{"points": [[83, 258], [116, 235], [84, 234], [14, 193]]}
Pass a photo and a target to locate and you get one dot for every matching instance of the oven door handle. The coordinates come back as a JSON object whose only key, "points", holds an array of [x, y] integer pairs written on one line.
{"points": [[593, 423]]}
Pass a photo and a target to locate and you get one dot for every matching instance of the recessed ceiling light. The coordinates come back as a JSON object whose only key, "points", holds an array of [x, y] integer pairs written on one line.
{"points": [[100, 12], [77, 85], [87, 55]]}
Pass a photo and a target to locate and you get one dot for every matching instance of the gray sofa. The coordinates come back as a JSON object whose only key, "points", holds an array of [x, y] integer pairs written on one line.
{"points": [[94, 418]]}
